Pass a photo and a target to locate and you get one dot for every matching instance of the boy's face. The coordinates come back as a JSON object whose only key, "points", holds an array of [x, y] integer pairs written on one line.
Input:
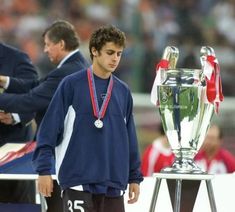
{"points": [[108, 58]]}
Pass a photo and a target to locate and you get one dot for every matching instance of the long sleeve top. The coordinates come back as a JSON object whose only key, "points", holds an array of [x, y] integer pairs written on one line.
{"points": [[85, 154]]}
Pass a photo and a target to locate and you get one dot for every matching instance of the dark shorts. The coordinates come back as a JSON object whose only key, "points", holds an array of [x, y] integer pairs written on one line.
{"points": [[80, 201]]}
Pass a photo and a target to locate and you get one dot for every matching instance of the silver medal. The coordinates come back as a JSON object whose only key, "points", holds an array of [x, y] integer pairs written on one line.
{"points": [[99, 113], [98, 123]]}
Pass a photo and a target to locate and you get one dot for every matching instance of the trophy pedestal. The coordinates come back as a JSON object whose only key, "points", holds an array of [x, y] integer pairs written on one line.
{"points": [[183, 165], [183, 185]]}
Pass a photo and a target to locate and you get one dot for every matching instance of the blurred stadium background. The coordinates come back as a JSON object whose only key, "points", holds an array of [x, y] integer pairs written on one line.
{"points": [[150, 25]]}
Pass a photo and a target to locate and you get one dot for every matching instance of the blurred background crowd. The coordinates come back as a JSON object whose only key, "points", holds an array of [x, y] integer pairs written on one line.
{"points": [[150, 25]]}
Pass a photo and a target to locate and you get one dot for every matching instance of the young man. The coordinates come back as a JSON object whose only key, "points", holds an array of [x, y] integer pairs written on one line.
{"points": [[89, 124]]}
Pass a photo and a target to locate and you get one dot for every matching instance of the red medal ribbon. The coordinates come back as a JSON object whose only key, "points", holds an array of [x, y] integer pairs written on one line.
{"points": [[98, 113]]}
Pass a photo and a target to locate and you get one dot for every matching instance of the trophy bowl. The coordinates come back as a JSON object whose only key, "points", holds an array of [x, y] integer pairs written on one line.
{"points": [[185, 115]]}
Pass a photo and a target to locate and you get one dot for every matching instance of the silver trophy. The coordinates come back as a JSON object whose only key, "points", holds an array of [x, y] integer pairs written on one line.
{"points": [[184, 111]]}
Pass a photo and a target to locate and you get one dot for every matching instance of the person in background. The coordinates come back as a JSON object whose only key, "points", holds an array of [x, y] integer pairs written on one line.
{"points": [[157, 155], [61, 44], [90, 127], [212, 157], [16, 127]]}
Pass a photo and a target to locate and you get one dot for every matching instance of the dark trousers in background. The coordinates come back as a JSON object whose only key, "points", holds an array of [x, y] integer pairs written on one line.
{"points": [[17, 191], [23, 191]]}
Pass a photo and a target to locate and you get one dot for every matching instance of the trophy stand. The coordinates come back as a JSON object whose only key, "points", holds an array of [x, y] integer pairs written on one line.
{"points": [[179, 183]]}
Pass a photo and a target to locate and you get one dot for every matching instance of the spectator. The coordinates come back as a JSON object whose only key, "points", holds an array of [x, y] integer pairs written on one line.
{"points": [[212, 157], [157, 155], [16, 128], [15, 63], [61, 45], [98, 154]]}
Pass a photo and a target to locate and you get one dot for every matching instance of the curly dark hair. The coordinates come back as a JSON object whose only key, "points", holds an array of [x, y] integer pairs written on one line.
{"points": [[106, 34]]}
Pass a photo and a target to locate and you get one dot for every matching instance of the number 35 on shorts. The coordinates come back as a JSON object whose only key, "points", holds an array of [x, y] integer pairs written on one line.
{"points": [[76, 205]]}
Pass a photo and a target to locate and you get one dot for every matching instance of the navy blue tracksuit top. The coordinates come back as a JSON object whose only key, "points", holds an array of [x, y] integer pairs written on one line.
{"points": [[85, 154]]}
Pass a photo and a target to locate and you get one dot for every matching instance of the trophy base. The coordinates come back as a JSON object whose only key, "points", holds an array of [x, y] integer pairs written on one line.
{"points": [[183, 166]]}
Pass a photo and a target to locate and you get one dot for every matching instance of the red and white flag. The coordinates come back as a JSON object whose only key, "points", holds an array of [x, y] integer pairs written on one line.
{"points": [[211, 71]]}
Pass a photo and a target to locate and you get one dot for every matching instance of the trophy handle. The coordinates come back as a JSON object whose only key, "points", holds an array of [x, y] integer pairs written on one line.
{"points": [[206, 51], [171, 54]]}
